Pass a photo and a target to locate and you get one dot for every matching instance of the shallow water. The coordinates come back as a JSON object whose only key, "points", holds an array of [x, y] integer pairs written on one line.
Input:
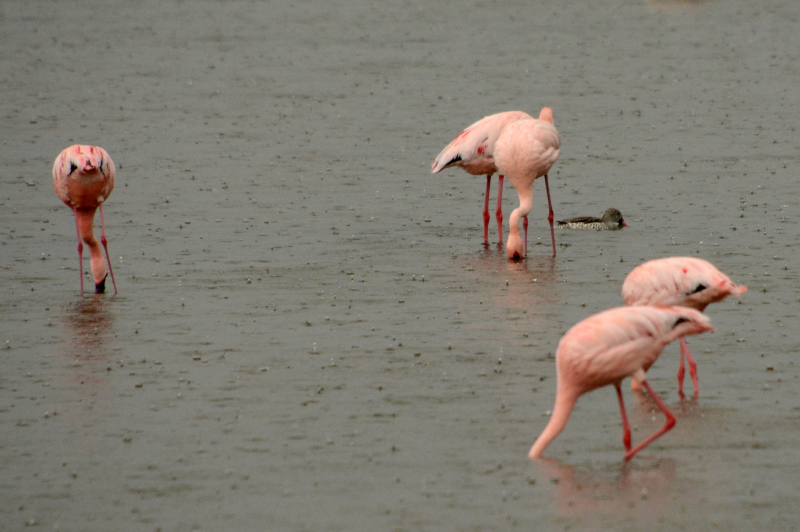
{"points": [[309, 334]]}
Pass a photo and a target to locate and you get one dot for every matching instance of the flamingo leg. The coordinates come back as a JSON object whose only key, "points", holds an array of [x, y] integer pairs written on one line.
{"points": [[80, 248], [105, 246], [550, 215], [681, 373], [670, 422], [499, 212], [486, 211], [525, 226], [626, 428], [692, 369]]}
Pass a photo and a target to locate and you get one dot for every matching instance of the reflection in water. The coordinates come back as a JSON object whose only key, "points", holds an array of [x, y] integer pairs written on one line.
{"points": [[521, 292], [87, 328], [639, 492], [87, 331], [534, 269]]}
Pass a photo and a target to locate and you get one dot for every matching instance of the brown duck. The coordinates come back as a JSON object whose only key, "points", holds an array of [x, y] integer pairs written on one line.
{"points": [[611, 220]]}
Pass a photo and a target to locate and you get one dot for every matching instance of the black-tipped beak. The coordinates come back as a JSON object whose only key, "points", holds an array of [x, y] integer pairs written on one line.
{"points": [[100, 288]]}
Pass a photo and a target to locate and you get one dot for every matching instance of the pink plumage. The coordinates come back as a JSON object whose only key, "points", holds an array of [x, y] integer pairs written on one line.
{"points": [[684, 281], [473, 151], [604, 349], [83, 177], [524, 151]]}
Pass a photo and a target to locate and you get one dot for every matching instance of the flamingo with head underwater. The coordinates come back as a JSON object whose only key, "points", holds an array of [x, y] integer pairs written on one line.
{"points": [[83, 177], [524, 151], [604, 349], [684, 281], [473, 151]]}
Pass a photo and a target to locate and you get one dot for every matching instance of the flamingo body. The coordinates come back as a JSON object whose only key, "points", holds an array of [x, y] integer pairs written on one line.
{"points": [[83, 177], [525, 150], [684, 281], [604, 349], [473, 151]]}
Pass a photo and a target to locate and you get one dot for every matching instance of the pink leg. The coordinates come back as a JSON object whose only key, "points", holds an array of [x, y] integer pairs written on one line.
{"points": [[525, 226], [667, 425], [486, 212], [692, 369], [499, 212], [626, 428], [550, 215], [80, 248], [105, 246]]}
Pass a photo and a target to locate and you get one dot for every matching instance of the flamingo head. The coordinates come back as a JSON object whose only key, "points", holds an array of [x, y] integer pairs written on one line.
{"points": [[514, 247]]}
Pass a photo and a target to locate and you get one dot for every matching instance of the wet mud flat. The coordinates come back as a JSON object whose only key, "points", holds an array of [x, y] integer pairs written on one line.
{"points": [[309, 334]]}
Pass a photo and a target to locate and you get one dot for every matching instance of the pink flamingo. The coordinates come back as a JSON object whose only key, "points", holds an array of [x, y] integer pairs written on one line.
{"points": [[473, 150], [83, 177], [684, 281], [607, 347], [527, 149]]}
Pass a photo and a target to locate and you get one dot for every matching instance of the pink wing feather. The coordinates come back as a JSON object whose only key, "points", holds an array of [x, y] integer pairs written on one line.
{"points": [[612, 345], [686, 281], [473, 148]]}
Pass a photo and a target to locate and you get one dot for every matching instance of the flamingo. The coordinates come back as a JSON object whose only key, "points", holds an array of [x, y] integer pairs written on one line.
{"points": [[527, 149], [607, 347], [685, 281], [611, 220], [473, 151], [83, 177]]}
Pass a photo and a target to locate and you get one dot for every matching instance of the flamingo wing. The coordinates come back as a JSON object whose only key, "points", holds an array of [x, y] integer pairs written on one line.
{"points": [[473, 148]]}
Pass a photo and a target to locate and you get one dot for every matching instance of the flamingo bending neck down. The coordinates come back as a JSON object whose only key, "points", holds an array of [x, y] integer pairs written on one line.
{"points": [[473, 151], [686, 281], [83, 177], [525, 150], [604, 349]]}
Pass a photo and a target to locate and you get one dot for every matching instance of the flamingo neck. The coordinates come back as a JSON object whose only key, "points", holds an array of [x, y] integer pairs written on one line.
{"points": [[85, 223], [565, 402], [525, 206], [84, 219]]}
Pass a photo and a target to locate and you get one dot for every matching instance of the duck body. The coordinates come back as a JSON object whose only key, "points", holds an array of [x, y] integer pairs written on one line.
{"points": [[610, 221]]}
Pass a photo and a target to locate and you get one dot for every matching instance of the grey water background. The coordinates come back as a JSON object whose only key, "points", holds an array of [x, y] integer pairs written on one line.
{"points": [[309, 334]]}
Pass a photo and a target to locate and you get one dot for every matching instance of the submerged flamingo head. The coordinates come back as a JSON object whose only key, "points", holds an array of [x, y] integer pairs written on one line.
{"points": [[514, 247]]}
